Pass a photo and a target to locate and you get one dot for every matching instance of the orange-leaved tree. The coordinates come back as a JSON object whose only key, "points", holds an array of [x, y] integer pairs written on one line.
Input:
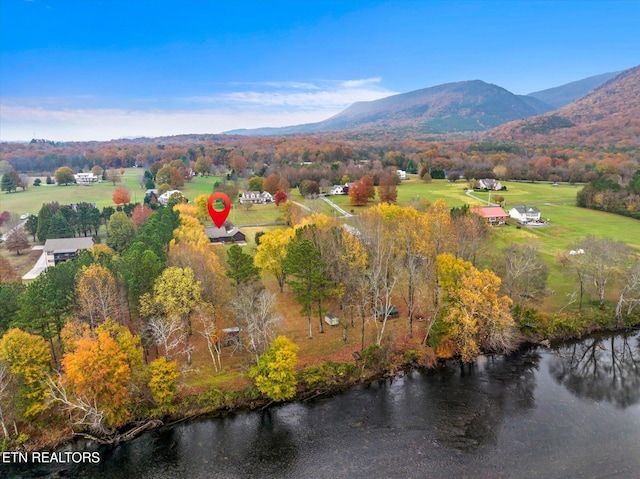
{"points": [[121, 195], [98, 373]]}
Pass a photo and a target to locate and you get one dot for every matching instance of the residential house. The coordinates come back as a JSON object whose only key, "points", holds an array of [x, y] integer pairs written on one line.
{"points": [[255, 197], [489, 184], [494, 215], [222, 235], [338, 190], [63, 249], [525, 214], [401, 174], [163, 199], [85, 178]]}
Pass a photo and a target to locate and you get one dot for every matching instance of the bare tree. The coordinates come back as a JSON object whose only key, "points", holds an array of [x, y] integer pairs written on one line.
{"points": [[630, 295], [599, 261], [4, 386], [209, 331], [523, 272], [83, 412], [166, 332], [253, 307]]}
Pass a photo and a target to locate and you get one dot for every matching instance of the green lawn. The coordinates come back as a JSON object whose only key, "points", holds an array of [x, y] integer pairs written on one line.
{"points": [[31, 200]]}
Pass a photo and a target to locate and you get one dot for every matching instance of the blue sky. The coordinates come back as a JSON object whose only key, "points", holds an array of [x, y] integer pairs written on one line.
{"points": [[98, 70]]}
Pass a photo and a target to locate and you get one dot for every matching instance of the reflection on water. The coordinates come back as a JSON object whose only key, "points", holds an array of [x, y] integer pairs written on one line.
{"points": [[521, 416], [603, 369]]}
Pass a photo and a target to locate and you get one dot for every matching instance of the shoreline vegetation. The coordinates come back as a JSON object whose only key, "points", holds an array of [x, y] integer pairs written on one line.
{"points": [[146, 310], [215, 403]]}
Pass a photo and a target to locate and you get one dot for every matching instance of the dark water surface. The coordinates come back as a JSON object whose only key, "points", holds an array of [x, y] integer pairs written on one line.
{"points": [[568, 412]]}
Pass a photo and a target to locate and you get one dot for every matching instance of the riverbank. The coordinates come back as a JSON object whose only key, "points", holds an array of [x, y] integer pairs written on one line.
{"points": [[317, 380]]}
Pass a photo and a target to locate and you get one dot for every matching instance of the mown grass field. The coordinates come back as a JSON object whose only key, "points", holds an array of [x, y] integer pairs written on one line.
{"points": [[568, 224]]}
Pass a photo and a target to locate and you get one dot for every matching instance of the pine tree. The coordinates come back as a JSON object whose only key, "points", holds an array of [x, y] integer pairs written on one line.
{"points": [[59, 227], [44, 219]]}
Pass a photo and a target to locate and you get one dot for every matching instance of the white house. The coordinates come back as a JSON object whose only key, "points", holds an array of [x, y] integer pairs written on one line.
{"points": [[525, 214], [337, 190], [163, 199], [490, 184], [401, 174], [85, 178], [256, 197]]}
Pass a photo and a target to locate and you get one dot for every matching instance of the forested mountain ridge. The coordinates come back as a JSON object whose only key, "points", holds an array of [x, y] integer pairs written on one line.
{"points": [[452, 107], [609, 115], [562, 95]]}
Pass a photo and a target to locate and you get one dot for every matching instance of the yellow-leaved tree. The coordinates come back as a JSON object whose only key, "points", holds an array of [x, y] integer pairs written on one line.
{"points": [[176, 293], [275, 373], [29, 361], [475, 317], [98, 295], [163, 376], [272, 251]]}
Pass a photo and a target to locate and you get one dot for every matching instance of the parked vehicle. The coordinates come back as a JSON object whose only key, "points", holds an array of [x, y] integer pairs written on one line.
{"points": [[392, 312]]}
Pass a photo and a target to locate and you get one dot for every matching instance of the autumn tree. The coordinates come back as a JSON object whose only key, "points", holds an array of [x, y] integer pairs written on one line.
{"points": [[377, 226], [275, 373], [97, 372], [7, 273], [280, 197], [121, 195], [17, 240], [163, 377], [271, 184], [476, 318], [98, 295], [140, 215], [176, 293], [64, 176], [271, 253], [358, 193], [387, 190], [29, 360]]}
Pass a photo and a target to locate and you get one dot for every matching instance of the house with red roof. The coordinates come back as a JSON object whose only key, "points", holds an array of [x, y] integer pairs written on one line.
{"points": [[494, 215]]}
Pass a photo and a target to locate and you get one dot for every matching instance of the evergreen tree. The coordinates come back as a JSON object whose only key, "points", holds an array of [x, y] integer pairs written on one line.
{"points": [[7, 184], [31, 226], [59, 227], [241, 267], [307, 279], [44, 219]]}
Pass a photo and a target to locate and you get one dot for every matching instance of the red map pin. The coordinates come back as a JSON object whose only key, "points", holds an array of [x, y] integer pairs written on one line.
{"points": [[219, 217]]}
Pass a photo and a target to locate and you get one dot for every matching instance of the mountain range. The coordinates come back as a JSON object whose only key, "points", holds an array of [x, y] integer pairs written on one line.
{"points": [[608, 115], [467, 106]]}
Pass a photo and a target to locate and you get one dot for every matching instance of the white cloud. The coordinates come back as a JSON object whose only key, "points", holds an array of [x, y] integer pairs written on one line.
{"points": [[21, 123], [323, 95], [269, 104]]}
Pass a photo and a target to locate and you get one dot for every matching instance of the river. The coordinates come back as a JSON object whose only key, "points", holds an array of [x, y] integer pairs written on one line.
{"points": [[572, 411]]}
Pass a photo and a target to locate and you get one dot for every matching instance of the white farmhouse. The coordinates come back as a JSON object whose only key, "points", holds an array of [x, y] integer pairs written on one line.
{"points": [[525, 214]]}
